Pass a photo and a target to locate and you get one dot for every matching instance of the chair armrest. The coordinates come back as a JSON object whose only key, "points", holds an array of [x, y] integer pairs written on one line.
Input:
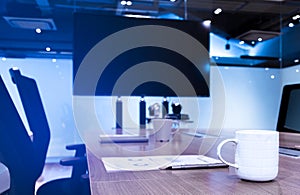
{"points": [[75, 147], [79, 161], [73, 161], [79, 148]]}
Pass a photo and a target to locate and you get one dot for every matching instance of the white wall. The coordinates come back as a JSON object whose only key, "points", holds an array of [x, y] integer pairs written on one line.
{"points": [[241, 98], [252, 97], [55, 85], [291, 75]]}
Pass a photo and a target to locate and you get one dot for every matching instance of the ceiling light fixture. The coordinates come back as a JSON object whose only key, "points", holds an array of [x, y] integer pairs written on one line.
{"points": [[31, 23], [48, 49], [218, 11], [123, 2], [38, 30], [137, 16], [291, 25], [207, 23], [129, 3], [296, 17]]}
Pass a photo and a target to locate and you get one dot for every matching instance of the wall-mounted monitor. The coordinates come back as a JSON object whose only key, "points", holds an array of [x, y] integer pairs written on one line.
{"points": [[289, 117], [122, 56]]}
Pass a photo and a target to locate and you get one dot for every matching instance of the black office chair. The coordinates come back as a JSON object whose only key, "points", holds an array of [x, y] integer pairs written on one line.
{"points": [[30, 166], [78, 183], [23, 156]]}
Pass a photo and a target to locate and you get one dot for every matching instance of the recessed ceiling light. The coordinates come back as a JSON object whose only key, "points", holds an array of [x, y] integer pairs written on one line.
{"points": [[172, 0], [207, 23], [259, 39], [296, 60], [123, 2], [129, 3], [242, 42], [217, 11], [48, 49], [296, 17], [291, 25], [38, 30]]}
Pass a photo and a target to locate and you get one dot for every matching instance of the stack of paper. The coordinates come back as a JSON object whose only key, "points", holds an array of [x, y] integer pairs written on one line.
{"points": [[160, 162]]}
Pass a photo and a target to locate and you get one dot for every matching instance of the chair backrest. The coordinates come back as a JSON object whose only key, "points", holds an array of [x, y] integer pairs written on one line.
{"points": [[24, 157], [35, 114]]}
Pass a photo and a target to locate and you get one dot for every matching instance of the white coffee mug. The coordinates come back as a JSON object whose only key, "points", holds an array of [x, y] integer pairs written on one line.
{"points": [[162, 129], [256, 155]]}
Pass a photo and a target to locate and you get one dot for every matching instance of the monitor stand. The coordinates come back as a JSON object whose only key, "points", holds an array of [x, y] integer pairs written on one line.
{"points": [[119, 115], [142, 113]]}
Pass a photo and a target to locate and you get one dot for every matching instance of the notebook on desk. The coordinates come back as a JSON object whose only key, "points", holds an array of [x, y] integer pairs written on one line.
{"points": [[122, 138], [198, 134], [194, 161], [289, 152], [144, 163]]}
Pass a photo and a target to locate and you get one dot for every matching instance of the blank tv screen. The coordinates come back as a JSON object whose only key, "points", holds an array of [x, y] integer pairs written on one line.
{"points": [[121, 56]]}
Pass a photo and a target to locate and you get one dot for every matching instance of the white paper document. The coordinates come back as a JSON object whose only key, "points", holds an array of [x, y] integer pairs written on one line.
{"points": [[127, 138], [160, 162]]}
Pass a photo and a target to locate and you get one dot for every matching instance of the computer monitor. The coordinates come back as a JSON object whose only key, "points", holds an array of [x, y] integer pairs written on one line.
{"points": [[288, 124], [91, 29]]}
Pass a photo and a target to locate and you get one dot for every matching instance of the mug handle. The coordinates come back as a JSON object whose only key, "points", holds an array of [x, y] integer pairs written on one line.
{"points": [[219, 149]]}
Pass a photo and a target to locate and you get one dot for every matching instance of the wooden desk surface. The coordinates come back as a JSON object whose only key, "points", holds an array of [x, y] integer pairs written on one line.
{"points": [[193, 181]]}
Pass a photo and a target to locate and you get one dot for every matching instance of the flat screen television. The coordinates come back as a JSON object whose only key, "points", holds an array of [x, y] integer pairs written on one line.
{"points": [[122, 56], [288, 123]]}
